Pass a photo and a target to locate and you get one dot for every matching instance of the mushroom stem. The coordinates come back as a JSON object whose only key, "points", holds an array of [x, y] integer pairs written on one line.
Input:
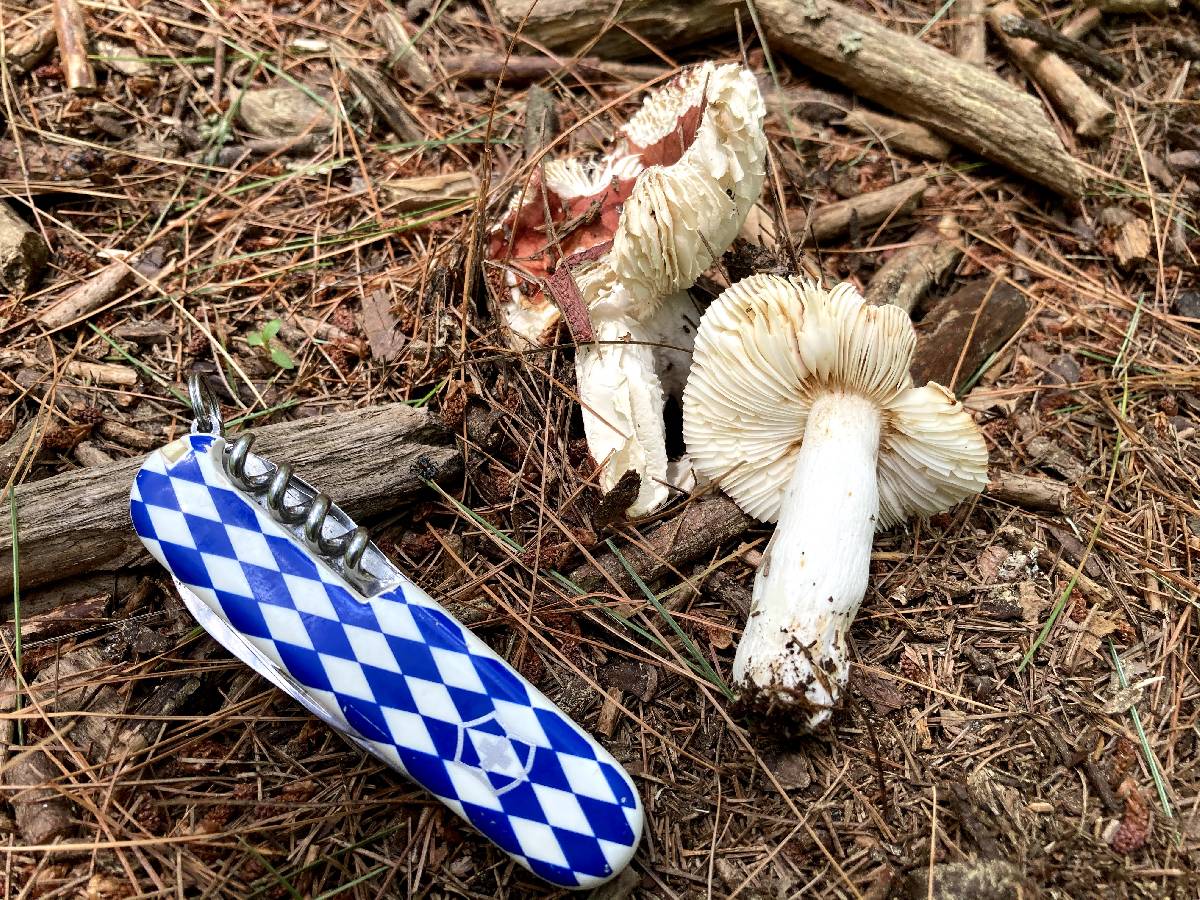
{"points": [[622, 402], [814, 573]]}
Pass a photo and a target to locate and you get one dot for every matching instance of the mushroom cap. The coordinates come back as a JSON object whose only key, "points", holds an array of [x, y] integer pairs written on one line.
{"points": [[768, 346], [686, 171]]}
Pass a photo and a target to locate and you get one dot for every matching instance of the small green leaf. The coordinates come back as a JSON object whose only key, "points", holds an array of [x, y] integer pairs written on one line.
{"points": [[271, 329], [255, 339], [280, 357]]}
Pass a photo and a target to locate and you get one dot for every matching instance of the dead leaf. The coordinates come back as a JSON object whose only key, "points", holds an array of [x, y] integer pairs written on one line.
{"points": [[1032, 603], [719, 637], [381, 326], [1088, 635], [883, 694], [791, 769]]}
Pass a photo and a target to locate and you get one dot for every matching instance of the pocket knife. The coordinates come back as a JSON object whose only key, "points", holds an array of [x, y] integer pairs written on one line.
{"points": [[286, 582]]}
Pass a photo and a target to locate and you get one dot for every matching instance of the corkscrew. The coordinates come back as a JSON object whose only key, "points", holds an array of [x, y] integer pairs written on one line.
{"points": [[282, 577]]}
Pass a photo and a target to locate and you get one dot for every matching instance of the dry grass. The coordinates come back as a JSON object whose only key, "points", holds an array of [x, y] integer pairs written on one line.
{"points": [[953, 747]]}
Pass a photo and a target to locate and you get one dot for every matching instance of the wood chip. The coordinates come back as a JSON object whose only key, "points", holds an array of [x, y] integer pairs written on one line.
{"points": [[430, 190], [963, 320]]}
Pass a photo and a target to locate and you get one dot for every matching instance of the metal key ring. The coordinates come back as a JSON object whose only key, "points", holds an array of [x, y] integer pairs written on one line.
{"points": [[206, 412]]}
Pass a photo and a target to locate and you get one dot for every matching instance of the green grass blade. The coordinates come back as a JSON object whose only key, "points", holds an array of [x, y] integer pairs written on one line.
{"points": [[1160, 783], [707, 670]]}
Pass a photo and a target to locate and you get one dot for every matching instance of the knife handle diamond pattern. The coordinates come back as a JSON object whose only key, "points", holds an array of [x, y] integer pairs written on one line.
{"points": [[394, 672]]}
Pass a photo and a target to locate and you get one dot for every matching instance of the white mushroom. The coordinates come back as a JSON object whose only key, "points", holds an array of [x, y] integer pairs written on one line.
{"points": [[687, 169], [800, 406]]}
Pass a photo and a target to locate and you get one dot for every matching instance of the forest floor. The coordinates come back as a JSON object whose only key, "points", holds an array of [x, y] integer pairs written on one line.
{"points": [[1020, 728]]}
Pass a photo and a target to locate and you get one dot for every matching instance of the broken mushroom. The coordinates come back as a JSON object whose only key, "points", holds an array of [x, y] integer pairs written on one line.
{"points": [[637, 228], [800, 406]]}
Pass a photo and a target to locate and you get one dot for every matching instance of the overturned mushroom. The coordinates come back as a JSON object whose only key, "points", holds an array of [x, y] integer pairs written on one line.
{"points": [[800, 406], [670, 198]]}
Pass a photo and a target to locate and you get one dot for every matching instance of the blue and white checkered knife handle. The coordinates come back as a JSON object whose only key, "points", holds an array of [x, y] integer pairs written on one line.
{"points": [[394, 672]]}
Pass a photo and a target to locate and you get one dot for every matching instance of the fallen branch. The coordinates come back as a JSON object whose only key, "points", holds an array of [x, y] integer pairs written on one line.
{"points": [[961, 332], [971, 42], [905, 278], [868, 209], [480, 66], [79, 521], [86, 298], [1090, 112], [1056, 42], [910, 137], [1029, 492], [960, 101], [429, 190], [72, 47], [697, 531]]}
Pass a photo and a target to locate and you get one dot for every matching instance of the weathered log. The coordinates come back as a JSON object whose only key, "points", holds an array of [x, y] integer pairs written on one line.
{"points": [[866, 210], [964, 103], [698, 530], [72, 46], [910, 137], [79, 521], [1091, 113], [959, 333], [23, 252]]}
